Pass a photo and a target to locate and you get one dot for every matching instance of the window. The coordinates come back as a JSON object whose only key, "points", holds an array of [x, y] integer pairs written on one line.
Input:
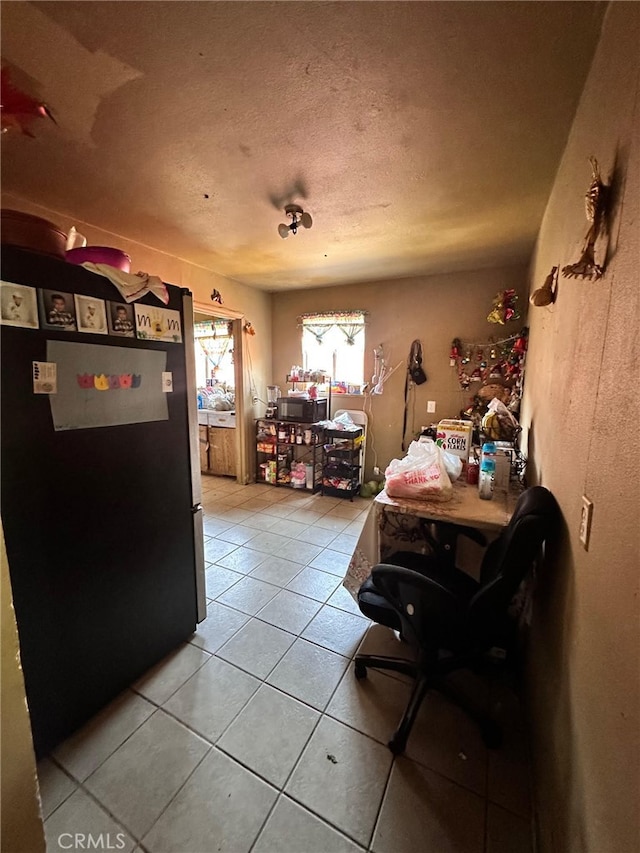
{"points": [[334, 343], [214, 353]]}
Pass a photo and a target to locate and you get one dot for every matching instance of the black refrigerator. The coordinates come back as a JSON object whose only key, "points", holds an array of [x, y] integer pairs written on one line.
{"points": [[100, 484]]}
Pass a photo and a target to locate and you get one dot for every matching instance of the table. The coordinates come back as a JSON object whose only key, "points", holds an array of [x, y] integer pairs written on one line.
{"points": [[394, 524]]}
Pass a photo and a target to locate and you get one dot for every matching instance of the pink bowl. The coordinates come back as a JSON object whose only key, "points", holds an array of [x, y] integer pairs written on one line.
{"points": [[100, 255]]}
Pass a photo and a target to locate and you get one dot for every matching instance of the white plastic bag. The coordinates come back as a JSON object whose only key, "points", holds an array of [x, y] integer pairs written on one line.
{"points": [[421, 474], [452, 463]]}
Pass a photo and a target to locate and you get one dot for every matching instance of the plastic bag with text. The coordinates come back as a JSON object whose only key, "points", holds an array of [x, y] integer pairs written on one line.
{"points": [[420, 475]]}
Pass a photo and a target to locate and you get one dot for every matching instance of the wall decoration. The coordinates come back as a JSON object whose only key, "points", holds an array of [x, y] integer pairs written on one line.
{"points": [[249, 328], [18, 305], [57, 311], [505, 308], [91, 314], [498, 363], [20, 110], [216, 296], [120, 320], [106, 385], [595, 209], [546, 295], [157, 324]]}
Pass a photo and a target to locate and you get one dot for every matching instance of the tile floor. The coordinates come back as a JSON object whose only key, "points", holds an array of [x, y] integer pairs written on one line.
{"points": [[255, 735]]}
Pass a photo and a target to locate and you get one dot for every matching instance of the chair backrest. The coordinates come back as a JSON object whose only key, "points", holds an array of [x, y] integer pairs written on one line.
{"points": [[510, 558]]}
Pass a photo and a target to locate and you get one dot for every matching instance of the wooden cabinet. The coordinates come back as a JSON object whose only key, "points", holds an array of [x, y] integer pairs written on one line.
{"points": [[203, 436], [222, 451]]}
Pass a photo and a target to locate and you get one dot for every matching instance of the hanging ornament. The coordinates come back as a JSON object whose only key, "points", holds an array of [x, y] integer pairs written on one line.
{"points": [[454, 354], [19, 110], [546, 295], [479, 354], [504, 308], [493, 353], [249, 328]]}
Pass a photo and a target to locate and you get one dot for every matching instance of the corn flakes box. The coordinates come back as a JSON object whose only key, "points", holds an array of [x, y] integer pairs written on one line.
{"points": [[454, 436]]}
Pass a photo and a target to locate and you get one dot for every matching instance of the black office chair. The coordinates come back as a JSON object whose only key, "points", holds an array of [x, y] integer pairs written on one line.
{"points": [[453, 621]]}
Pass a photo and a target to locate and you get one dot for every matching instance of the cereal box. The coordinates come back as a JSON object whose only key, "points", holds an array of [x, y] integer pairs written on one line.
{"points": [[455, 437]]}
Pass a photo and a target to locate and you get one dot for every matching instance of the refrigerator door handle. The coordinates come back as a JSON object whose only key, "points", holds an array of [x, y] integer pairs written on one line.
{"points": [[198, 542]]}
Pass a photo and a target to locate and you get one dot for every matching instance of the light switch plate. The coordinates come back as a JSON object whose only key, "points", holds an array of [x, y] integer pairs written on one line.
{"points": [[431, 406], [585, 521]]}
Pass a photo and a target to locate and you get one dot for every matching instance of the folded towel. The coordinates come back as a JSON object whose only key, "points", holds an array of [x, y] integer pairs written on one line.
{"points": [[131, 286]]}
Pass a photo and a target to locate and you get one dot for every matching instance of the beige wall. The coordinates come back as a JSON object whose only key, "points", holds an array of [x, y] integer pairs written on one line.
{"points": [[21, 818], [581, 412], [255, 305], [435, 309]]}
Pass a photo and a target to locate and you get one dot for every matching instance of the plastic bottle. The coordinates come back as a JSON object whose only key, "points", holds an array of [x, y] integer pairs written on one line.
{"points": [[487, 471], [200, 401]]}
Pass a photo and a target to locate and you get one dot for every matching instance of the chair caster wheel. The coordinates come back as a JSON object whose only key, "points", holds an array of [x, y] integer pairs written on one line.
{"points": [[396, 747], [492, 735], [360, 670]]}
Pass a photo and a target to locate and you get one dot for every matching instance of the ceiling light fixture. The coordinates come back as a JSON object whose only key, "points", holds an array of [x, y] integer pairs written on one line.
{"points": [[298, 218]]}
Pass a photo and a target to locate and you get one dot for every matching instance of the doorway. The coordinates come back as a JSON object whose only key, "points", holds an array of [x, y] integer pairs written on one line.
{"points": [[219, 391]]}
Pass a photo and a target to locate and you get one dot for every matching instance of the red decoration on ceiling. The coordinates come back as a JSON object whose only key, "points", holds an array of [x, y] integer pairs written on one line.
{"points": [[19, 110]]}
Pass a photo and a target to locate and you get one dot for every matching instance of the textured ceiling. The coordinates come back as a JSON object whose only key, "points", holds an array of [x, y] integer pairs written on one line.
{"points": [[421, 137]]}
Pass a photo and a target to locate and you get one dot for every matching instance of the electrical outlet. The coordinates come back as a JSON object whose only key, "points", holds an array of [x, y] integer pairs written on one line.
{"points": [[431, 406], [376, 470], [254, 400], [585, 521]]}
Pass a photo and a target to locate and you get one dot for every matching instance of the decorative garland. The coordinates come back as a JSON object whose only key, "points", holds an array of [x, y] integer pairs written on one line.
{"points": [[477, 361]]}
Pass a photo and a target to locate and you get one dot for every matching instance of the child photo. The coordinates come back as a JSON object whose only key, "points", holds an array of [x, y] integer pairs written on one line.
{"points": [[91, 314], [57, 310], [18, 305], [121, 320]]}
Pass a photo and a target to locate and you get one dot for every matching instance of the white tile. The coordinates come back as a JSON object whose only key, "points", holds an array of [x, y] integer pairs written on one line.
{"points": [[445, 739], [276, 570], [81, 815], [424, 811], [316, 536], [219, 626], [301, 552], [330, 522], [218, 580], [336, 630], [293, 829], [306, 516], [382, 641], [237, 515], [289, 611], [269, 734], [314, 584], [279, 510], [344, 543], [508, 778], [172, 672], [287, 527], [214, 526], [373, 705], [248, 595], [345, 510], [355, 527], [268, 542], [257, 647], [343, 600], [309, 673], [85, 750], [214, 549], [507, 832], [332, 561], [221, 808], [239, 534], [137, 782], [235, 499], [210, 700], [261, 522], [341, 777], [255, 504], [241, 560], [55, 786]]}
